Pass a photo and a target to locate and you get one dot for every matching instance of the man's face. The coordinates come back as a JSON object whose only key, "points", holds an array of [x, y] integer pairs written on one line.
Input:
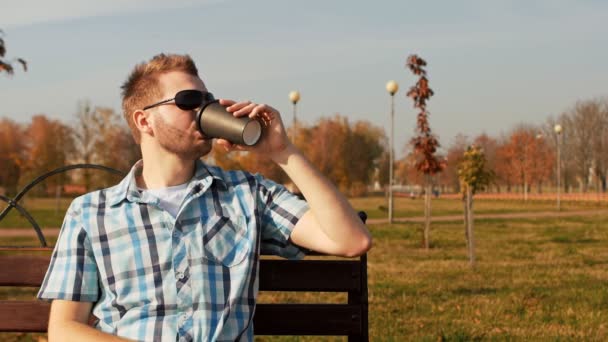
{"points": [[175, 129]]}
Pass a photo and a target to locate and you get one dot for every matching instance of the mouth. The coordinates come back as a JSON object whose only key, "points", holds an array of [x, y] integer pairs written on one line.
{"points": [[200, 136]]}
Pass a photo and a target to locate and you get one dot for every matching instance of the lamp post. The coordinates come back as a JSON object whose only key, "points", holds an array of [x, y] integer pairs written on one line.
{"points": [[294, 97], [558, 130], [391, 87]]}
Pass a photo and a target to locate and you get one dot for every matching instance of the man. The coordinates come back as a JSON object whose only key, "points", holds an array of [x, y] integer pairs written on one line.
{"points": [[172, 252]]}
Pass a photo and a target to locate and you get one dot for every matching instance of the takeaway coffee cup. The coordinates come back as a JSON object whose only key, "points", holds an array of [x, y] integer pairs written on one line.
{"points": [[214, 121]]}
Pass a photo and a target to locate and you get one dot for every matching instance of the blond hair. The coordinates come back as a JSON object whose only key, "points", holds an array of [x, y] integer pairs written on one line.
{"points": [[141, 87]]}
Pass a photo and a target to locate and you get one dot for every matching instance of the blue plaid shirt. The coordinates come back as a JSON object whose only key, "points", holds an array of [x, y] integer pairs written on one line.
{"points": [[155, 277]]}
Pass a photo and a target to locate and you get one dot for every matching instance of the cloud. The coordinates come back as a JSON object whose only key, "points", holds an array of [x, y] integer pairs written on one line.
{"points": [[29, 12]]}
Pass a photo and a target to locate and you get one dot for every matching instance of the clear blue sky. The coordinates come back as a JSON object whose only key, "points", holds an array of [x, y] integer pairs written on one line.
{"points": [[492, 64]]}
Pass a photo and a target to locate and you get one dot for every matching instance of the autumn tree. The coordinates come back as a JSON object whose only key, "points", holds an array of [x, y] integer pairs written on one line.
{"points": [[348, 154], [489, 146], [114, 146], [454, 157], [49, 146], [474, 176], [526, 158], [102, 137], [363, 155], [6, 65], [12, 154], [425, 143]]}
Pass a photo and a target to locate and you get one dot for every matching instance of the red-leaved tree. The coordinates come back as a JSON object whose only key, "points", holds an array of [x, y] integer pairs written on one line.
{"points": [[425, 143]]}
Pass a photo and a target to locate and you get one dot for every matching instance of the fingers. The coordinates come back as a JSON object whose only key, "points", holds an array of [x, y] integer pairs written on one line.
{"points": [[228, 146], [226, 102], [235, 107], [266, 113]]}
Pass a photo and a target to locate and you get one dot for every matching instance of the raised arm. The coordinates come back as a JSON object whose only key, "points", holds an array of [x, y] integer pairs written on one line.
{"points": [[331, 225]]}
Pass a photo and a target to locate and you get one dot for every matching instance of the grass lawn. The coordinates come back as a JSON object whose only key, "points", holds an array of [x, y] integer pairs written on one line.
{"points": [[48, 213], [405, 207], [537, 279]]}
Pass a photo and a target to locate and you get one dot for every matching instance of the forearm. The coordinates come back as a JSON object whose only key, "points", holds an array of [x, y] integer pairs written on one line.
{"points": [[332, 211], [66, 331]]}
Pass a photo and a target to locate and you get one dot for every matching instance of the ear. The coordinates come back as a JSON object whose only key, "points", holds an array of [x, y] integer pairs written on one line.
{"points": [[143, 122]]}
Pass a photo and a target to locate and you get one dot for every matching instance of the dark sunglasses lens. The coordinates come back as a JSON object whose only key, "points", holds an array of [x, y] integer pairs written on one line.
{"points": [[188, 99]]}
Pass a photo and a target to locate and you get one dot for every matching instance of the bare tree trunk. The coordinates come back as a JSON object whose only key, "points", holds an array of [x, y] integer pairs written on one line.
{"points": [[466, 218], [471, 239], [427, 211]]}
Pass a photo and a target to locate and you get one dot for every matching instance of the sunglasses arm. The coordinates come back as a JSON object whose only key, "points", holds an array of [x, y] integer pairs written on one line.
{"points": [[158, 104]]}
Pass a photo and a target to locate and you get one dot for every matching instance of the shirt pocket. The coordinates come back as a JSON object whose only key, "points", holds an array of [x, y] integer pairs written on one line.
{"points": [[225, 239]]}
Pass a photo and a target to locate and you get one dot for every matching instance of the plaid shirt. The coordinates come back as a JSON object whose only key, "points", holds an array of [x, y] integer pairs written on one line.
{"points": [[189, 278]]}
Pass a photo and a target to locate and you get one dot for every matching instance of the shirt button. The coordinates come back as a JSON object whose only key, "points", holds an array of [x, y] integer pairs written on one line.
{"points": [[180, 275]]}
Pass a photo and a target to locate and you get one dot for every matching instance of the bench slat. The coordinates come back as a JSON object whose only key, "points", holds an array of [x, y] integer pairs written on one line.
{"points": [[275, 275], [24, 316], [270, 319], [310, 275], [23, 270], [307, 319]]}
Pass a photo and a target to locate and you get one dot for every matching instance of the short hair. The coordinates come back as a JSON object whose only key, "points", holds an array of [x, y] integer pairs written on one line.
{"points": [[141, 87]]}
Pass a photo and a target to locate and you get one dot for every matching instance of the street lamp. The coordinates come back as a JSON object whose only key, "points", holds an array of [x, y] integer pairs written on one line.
{"points": [[391, 87], [294, 97], [558, 130]]}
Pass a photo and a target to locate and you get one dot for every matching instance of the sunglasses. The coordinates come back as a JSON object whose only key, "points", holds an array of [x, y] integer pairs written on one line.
{"points": [[187, 99]]}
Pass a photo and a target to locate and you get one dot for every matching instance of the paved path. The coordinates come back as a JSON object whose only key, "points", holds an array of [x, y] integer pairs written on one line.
{"points": [[50, 232]]}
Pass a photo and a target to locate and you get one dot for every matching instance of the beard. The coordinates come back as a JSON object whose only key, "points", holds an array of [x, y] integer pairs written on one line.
{"points": [[183, 143]]}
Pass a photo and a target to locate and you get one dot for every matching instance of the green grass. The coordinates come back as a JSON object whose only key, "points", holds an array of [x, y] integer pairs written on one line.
{"points": [[376, 207], [536, 279], [48, 213]]}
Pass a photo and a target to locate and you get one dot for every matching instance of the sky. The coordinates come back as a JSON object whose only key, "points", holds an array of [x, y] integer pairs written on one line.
{"points": [[492, 64]]}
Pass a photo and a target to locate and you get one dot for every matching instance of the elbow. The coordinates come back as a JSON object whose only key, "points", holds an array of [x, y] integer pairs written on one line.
{"points": [[364, 245]]}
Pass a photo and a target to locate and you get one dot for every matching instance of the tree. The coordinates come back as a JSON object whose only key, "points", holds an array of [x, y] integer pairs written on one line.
{"points": [[12, 156], [5, 64], [425, 143], [489, 146], [102, 137], [454, 157], [50, 146], [582, 129], [85, 135], [114, 147], [474, 176], [363, 154], [525, 158]]}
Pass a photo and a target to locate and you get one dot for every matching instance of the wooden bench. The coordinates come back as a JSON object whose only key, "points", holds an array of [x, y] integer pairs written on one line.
{"points": [[315, 274]]}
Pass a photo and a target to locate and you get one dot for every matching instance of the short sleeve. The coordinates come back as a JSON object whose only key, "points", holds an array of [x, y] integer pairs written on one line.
{"points": [[72, 273], [280, 210]]}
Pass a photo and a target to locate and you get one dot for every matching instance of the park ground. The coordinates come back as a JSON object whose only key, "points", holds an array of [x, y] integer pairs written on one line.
{"points": [[540, 276]]}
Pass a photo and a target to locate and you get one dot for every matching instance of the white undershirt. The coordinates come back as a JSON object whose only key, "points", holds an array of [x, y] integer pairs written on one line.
{"points": [[171, 198]]}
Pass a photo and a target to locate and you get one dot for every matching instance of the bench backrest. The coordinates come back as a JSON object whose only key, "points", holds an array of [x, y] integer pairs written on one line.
{"points": [[344, 275]]}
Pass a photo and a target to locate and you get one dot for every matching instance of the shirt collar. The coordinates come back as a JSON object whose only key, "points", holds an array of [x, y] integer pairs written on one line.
{"points": [[127, 189]]}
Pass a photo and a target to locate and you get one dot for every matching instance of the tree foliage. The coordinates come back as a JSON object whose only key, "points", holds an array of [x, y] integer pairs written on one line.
{"points": [[348, 154], [12, 154], [425, 143], [6, 65], [49, 146], [472, 170]]}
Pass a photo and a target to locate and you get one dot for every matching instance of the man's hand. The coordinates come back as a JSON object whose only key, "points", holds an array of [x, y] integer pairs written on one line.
{"points": [[274, 139]]}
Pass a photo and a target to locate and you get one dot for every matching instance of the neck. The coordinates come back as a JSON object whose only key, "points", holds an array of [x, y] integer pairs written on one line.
{"points": [[162, 169]]}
